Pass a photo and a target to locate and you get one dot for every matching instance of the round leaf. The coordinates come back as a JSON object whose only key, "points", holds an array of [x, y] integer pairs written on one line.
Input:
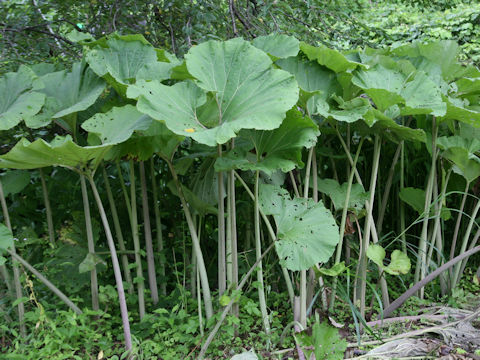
{"points": [[247, 92], [400, 263], [376, 253], [307, 233]]}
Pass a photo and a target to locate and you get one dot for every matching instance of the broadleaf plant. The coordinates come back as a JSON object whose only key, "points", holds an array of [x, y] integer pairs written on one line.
{"points": [[306, 231]]}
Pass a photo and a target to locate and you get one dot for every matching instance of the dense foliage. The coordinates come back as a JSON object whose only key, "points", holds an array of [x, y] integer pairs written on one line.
{"points": [[167, 200]]}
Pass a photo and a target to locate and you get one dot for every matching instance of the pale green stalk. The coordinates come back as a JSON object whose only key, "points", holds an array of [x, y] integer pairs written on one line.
{"points": [[273, 237], [343, 221], [420, 269], [116, 266], [303, 273], [48, 208], [118, 232], [16, 271], [472, 245], [124, 189], [136, 243], [294, 184], [386, 192], [199, 302], [90, 242], [468, 231], [147, 229], [402, 205], [158, 226], [233, 234], [228, 237], [383, 282], [196, 244], [457, 226], [368, 223], [436, 230], [258, 251], [438, 216], [222, 270], [312, 272]]}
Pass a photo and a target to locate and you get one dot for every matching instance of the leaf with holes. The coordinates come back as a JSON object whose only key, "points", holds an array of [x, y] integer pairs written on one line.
{"points": [[118, 124], [307, 232]]}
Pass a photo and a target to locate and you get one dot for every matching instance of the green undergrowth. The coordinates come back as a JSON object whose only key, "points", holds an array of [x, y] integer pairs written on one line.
{"points": [[171, 332]]}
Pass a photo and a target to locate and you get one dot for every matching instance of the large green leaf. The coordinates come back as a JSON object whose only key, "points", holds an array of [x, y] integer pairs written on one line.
{"points": [[331, 58], [277, 45], [62, 151], [413, 197], [118, 124], [245, 91], [123, 59], [390, 86], [18, 99], [175, 105], [67, 93], [277, 149], [335, 270], [338, 194], [461, 152], [14, 181], [307, 233]]}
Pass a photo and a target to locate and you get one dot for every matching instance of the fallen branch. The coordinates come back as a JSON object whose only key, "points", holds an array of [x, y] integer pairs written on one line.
{"points": [[432, 276]]}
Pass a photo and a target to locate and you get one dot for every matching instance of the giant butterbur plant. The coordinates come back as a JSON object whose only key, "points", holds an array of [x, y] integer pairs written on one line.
{"points": [[307, 145]]}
